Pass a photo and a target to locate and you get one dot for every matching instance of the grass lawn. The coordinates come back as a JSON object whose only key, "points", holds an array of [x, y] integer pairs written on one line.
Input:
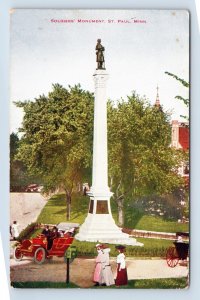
{"points": [[158, 224], [151, 248], [55, 212], [169, 283]]}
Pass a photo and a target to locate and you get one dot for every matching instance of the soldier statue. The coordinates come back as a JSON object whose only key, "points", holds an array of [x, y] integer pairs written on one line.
{"points": [[99, 56]]}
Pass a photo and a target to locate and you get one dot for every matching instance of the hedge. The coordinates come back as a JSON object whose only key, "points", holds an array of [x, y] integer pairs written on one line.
{"points": [[27, 232]]}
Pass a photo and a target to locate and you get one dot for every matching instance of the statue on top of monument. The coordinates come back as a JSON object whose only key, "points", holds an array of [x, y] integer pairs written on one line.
{"points": [[99, 56]]}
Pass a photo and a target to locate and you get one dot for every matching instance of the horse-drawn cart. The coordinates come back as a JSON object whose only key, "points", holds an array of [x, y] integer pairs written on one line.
{"points": [[180, 250]]}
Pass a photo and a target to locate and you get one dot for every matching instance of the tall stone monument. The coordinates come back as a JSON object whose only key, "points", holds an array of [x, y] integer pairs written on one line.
{"points": [[99, 224]]}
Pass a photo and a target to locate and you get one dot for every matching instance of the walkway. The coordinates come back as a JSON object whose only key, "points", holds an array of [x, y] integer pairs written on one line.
{"points": [[81, 270]]}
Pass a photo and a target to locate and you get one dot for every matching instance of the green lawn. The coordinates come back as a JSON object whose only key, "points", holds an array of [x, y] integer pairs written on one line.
{"points": [[151, 248], [55, 212], [158, 224], [169, 283], [139, 220]]}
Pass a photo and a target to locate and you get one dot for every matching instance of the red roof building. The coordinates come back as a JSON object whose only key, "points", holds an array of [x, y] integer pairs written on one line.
{"points": [[180, 140], [180, 135]]}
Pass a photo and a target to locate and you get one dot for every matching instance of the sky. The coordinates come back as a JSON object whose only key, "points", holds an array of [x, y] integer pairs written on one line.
{"points": [[58, 46]]}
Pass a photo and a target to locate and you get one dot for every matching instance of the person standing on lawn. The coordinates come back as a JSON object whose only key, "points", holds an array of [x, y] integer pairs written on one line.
{"points": [[97, 277], [122, 278]]}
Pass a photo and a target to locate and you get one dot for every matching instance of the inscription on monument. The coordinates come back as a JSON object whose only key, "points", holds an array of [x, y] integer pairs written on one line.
{"points": [[102, 207]]}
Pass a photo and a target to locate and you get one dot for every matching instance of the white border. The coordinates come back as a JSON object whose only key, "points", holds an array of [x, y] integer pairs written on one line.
{"points": [[194, 290]]}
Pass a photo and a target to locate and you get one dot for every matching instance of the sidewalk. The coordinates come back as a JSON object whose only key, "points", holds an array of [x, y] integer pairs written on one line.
{"points": [[81, 270]]}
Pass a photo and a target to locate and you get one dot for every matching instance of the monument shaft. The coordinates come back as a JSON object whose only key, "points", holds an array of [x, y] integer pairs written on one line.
{"points": [[100, 155], [99, 224]]}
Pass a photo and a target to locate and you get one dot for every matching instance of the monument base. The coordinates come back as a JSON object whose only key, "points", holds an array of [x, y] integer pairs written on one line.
{"points": [[102, 228]]}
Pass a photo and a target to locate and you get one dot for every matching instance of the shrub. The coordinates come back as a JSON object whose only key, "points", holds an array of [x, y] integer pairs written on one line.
{"points": [[27, 232]]}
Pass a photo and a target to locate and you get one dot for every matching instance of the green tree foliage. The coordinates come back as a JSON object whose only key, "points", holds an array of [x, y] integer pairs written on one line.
{"points": [[57, 145], [14, 166], [57, 138], [186, 158], [14, 143], [18, 173], [140, 159], [186, 84]]}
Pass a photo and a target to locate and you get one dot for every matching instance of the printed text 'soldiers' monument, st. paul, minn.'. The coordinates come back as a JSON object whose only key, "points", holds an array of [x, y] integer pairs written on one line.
{"points": [[99, 224]]}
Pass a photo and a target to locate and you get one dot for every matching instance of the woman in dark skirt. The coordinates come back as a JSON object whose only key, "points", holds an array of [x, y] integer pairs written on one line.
{"points": [[122, 278]]}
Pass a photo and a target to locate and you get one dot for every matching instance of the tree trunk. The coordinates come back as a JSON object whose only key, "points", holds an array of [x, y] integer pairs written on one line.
{"points": [[68, 205], [120, 206]]}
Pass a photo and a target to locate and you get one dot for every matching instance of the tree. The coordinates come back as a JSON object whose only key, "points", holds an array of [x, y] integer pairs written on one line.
{"points": [[186, 84], [140, 159], [18, 172], [186, 101], [14, 166], [57, 138]]}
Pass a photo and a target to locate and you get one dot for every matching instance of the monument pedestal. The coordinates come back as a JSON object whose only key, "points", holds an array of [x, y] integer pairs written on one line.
{"points": [[99, 225]]}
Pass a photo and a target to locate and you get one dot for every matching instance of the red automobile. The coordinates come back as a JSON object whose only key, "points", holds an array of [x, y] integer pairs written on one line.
{"points": [[38, 248]]}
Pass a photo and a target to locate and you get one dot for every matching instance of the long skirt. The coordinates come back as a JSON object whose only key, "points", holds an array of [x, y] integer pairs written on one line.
{"points": [[122, 278], [97, 273], [107, 276]]}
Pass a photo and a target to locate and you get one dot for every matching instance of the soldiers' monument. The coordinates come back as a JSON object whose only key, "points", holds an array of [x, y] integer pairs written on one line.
{"points": [[99, 224]]}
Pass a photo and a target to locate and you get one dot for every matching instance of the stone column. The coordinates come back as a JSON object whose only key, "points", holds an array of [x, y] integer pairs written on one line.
{"points": [[99, 225], [100, 156]]}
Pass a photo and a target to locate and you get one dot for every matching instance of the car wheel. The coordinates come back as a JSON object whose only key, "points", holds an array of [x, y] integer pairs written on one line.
{"points": [[40, 255], [17, 254]]}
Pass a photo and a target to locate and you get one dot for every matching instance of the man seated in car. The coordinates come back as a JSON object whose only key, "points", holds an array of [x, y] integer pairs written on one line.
{"points": [[53, 235], [46, 231]]}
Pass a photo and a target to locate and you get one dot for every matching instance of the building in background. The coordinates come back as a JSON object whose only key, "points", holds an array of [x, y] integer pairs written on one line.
{"points": [[180, 141]]}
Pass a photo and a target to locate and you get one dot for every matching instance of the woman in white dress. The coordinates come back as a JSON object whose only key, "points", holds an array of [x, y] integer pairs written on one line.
{"points": [[107, 274], [15, 230]]}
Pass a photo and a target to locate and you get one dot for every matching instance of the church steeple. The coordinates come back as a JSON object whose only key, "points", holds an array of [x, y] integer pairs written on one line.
{"points": [[157, 98], [157, 103]]}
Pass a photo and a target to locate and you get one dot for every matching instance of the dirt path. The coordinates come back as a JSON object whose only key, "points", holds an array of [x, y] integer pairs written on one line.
{"points": [[81, 270]]}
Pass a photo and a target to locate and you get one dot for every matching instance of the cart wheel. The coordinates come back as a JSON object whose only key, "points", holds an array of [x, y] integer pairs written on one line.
{"points": [[40, 255], [18, 254], [172, 257]]}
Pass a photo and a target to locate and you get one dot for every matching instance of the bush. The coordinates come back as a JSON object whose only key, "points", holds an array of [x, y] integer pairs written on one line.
{"points": [[27, 232]]}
